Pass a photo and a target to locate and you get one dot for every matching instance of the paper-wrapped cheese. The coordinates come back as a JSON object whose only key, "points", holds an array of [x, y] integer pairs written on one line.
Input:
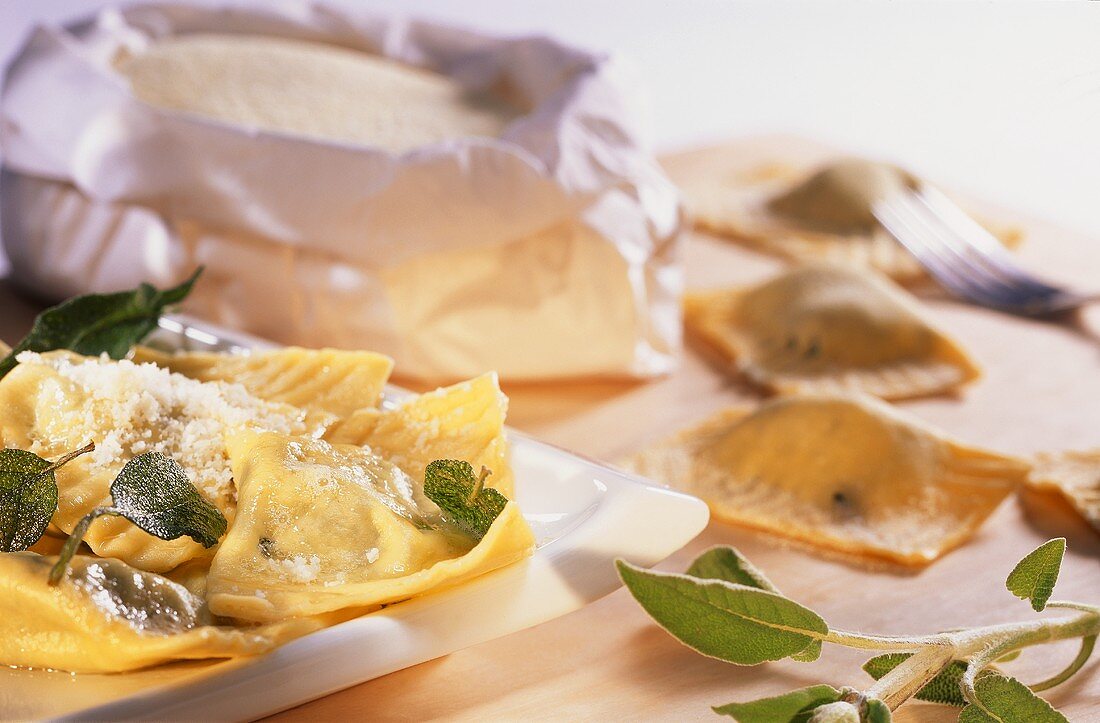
{"points": [[458, 202], [311, 89]]}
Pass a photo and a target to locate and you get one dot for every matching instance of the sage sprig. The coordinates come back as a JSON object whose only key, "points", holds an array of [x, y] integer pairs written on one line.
{"points": [[726, 608], [154, 493], [94, 324]]}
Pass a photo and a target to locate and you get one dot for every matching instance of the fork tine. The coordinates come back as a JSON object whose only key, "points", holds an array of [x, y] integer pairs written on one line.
{"points": [[965, 258], [984, 244], [912, 227], [962, 255]]}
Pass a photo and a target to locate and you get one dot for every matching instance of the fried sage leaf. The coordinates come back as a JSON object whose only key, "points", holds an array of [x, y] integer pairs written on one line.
{"points": [[465, 500], [28, 496], [154, 493], [95, 324]]}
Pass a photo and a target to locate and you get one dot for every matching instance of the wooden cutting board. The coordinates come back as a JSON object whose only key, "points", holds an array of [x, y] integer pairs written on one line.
{"points": [[609, 661]]}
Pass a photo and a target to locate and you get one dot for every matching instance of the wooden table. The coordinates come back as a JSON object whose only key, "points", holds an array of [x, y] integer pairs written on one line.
{"points": [[608, 661]]}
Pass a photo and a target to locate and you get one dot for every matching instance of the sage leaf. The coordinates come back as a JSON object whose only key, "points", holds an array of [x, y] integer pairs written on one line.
{"points": [[877, 712], [464, 499], [794, 707], [737, 623], [1034, 577], [28, 496], [95, 324], [727, 563], [1001, 699], [944, 688], [154, 493], [808, 654]]}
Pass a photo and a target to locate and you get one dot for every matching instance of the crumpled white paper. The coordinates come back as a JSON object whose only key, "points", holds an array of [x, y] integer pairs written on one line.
{"points": [[548, 252]]}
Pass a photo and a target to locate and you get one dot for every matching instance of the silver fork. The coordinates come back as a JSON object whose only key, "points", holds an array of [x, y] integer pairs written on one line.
{"points": [[966, 259]]}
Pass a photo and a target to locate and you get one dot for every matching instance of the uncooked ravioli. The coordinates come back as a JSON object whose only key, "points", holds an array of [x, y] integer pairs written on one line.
{"points": [[844, 472], [829, 328], [324, 527], [804, 214], [1076, 475]]}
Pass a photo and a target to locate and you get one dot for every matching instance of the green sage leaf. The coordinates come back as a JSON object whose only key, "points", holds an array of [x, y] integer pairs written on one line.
{"points": [[877, 712], [95, 324], [465, 500], [1006, 700], [154, 493], [737, 623], [944, 688], [1034, 577], [28, 496], [727, 563], [794, 707], [808, 654]]}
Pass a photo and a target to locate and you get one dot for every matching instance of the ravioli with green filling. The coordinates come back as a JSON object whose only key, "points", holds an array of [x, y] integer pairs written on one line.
{"points": [[107, 617], [323, 527], [54, 403], [845, 472], [827, 328]]}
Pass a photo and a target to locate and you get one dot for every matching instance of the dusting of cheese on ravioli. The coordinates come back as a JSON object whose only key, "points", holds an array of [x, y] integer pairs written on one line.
{"points": [[134, 408]]}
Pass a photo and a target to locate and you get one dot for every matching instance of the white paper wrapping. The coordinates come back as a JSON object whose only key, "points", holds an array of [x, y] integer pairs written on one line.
{"points": [[548, 252]]}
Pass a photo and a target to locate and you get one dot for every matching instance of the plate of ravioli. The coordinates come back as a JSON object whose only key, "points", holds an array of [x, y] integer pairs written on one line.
{"points": [[206, 525]]}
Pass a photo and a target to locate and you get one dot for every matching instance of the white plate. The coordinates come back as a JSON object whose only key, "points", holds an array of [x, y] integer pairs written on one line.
{"points": [[584, 515]]}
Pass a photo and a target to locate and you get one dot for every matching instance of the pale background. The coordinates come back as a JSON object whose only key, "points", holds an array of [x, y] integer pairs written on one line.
{"points": [[1001, 100]]}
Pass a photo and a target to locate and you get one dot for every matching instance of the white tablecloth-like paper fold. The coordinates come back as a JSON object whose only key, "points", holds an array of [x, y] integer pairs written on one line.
{"points": [[548, 252]]}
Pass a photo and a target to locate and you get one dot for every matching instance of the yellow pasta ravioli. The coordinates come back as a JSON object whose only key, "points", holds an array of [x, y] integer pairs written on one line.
{"points": [[844, 472], [319, 380], [813, 214], [464, 421], [54, 403], [105, 616], [829, 328], [1076, 475], [324, 527]]}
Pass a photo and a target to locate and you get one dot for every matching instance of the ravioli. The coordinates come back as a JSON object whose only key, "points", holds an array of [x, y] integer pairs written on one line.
{"points": [[324, 527], [319, 380], [54, 403], [1076, 476], [803, 214], [829, 328], [843, 472], [107, 617], [464, 421]]}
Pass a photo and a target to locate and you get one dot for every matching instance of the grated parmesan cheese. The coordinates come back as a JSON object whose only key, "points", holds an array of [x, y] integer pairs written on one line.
{"points": [[133, 408]]}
